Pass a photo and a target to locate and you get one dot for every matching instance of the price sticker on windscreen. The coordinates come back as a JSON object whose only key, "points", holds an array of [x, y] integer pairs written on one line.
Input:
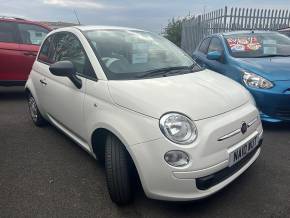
{"points": [[271, 50], [140, 53], [269, 47]]}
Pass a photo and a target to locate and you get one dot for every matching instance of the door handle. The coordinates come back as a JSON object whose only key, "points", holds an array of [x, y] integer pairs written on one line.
{"points": [[29, 54], [43, 82]]}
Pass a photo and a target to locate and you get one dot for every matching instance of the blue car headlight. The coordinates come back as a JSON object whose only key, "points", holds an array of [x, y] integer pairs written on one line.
{"points": [[255, 81]]}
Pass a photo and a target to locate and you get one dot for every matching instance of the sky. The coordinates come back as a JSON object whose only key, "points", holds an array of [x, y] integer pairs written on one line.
{"points": [[151, 15]]}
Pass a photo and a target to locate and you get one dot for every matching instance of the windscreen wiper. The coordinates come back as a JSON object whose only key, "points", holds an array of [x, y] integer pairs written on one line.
{"points": [[166, 71]]}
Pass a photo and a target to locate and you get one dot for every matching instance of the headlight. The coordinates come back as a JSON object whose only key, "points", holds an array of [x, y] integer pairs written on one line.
{"points": [[178, 128], [255, 81]]}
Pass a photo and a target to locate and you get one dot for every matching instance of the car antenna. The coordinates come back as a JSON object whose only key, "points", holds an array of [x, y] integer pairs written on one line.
{"points": [[76, 15]]}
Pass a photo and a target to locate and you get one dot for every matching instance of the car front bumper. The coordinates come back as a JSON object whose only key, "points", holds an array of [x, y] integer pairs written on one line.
{"points": [[274, 103], [208, 158]]}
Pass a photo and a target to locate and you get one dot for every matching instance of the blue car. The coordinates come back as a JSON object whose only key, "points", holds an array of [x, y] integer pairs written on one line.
{"points": [[259, 60]]}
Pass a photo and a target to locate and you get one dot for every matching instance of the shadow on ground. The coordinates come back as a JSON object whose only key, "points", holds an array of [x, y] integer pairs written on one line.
{"points": [[12, 93], [277, 126]]}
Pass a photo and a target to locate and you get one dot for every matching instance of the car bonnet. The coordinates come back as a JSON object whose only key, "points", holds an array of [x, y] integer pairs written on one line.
{"points": [[198, 95]]}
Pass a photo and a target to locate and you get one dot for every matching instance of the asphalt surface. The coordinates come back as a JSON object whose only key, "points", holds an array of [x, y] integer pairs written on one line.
{"points": [[44, 174]]}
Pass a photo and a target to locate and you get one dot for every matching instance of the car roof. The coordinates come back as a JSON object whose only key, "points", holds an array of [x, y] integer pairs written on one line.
{"points": [[24, 21], [284, 29], [240, 32], [245, 31], [88, 28]]}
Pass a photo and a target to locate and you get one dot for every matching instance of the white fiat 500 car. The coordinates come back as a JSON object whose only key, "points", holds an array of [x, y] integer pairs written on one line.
{"points": [[139, 103]]}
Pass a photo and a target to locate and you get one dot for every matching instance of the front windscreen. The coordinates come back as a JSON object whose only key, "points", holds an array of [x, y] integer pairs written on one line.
{"points": [[128, 54], [255, 45]]}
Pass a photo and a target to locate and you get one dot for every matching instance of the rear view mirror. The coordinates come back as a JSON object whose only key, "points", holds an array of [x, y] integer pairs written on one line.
{"points": [[66, 69], [62, 68], [214, 55]]}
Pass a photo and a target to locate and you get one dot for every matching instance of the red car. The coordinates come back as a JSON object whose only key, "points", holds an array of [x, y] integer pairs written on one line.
{"points": [[19, 43]]}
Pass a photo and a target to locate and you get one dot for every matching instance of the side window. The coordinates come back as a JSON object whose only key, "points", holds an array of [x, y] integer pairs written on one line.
{"points": [[8, 32], [66, 47], [215, 45], [32, 34], [44, 54], [204, 46]]}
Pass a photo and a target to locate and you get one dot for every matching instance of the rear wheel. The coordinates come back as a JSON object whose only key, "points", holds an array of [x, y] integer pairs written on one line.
{"points": [[118, 166], [35, 115]]}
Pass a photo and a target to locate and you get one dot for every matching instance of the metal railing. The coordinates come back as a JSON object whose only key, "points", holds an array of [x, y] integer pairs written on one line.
{"points": [[224, 20]]}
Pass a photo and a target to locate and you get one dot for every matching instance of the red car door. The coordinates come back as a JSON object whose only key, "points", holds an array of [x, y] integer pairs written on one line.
{"points": [[31, 37], [10, 55]]}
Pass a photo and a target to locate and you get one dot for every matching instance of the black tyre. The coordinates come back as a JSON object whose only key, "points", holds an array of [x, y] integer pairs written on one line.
{"points": [[35, 115], [118, 166]]}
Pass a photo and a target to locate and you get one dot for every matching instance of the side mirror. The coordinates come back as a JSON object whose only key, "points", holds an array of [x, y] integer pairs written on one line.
{"points": [[66, 69], [214, 55]]}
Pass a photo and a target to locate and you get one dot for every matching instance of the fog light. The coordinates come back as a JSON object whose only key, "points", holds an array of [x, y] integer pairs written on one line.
{"points": [[176, 158]]}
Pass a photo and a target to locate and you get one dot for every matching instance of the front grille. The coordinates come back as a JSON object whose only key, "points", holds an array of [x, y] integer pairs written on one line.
{"points": [[206, 182]]}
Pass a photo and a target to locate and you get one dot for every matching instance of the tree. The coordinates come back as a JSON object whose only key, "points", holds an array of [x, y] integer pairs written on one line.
{"points": [[173, 31]]}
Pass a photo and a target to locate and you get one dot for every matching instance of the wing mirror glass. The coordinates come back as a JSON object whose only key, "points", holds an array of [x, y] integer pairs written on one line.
{"points": [[66, 69], [214, 55]]}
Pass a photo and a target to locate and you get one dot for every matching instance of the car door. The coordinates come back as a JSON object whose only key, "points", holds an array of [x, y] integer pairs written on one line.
{"points": [[31, 36], [216, 65], [200, 54], [9, 52], [40, 69], [62, 100]]}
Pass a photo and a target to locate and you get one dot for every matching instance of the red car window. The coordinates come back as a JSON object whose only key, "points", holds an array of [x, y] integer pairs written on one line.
{"points": [[8, 32], [32, 34]]}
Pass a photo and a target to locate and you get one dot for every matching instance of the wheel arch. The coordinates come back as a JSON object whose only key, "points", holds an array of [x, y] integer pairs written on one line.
{"points": [[98, 142], [98, 139], [29, 89]]}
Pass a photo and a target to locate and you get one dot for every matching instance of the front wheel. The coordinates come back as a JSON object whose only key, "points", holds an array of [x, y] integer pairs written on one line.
{"points": [[35, 114], [118, 171]]}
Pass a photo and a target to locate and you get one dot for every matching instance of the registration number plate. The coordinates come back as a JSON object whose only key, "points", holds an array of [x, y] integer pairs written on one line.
{"points": [[242, 151]]}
